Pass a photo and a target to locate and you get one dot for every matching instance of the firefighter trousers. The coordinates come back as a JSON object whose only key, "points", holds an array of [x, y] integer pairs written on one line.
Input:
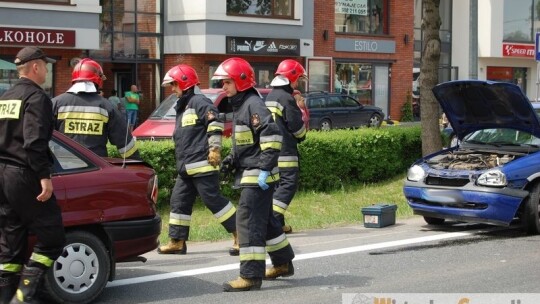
{"points": [[183, 198], [285, 191], [259, 232], [21, 213]]}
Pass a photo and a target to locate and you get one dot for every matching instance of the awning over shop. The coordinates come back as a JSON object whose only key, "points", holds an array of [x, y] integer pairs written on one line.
{"points": [[4, 65]]}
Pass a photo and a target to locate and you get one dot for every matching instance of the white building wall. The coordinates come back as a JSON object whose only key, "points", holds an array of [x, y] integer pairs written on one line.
{"points": [[490, 42], [460, 37]]}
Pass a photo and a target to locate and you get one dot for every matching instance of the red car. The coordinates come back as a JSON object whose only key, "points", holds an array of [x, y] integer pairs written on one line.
{"points": [[109, 213], [160, 124]]}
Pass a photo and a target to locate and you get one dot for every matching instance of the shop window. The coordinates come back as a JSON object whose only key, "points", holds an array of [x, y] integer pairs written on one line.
{"points": [[354, 79], [49, 1], [261, 8], [361, 16], [318, 75], [9, 76], [521, 20], [513, 75]]}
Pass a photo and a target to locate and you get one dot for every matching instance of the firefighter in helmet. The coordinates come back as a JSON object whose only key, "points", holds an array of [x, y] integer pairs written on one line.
{"points": [[197, 144], [27, 201], [90, 119], [288, 117], [256, 142]]}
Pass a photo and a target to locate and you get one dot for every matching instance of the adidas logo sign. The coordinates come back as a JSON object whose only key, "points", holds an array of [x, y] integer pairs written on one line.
{"points": [[272, 48]]}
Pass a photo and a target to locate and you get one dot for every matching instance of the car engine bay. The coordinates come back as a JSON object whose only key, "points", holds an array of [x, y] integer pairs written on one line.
{"points": [[471, 160]]}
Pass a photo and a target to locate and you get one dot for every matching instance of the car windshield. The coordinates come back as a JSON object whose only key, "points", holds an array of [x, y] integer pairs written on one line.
{"points": [[166, 109], [502, 137]]}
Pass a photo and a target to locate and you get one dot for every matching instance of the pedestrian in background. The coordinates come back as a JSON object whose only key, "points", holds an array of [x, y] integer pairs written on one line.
{"points": [[117, 103], [27, 201], [197, 144], [133, 99], [256, 142], [288, 117], [90, 119]]}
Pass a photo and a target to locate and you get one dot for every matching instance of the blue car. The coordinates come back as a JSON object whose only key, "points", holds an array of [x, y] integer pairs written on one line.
{"points": [[493, 174]]}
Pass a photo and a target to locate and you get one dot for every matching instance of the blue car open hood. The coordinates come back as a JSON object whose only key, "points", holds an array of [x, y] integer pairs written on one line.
{"points": [[472, 105]]}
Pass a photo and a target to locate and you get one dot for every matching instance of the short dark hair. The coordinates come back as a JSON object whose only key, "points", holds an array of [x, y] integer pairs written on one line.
{"points": [[113, 92]]}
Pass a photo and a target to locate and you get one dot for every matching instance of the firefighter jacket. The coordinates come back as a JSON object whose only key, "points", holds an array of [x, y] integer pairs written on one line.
{"points": [[256, 141], [26, 114], [197, 129], [92, 120], [288, 117]]}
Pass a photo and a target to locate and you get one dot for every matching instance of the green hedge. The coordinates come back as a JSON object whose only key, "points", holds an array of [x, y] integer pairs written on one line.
{"points": [[328, 160]]}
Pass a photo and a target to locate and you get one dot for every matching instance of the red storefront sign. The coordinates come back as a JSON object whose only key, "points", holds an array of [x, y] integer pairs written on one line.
{"points": [[518, 50], [40, 37]]}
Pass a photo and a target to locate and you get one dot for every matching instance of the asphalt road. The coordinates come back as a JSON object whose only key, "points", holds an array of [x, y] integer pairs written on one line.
{"points": [[409, 257]]}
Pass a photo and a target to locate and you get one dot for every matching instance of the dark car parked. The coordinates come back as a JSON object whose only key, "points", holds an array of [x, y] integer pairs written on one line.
{"points": [[334, 110], [109, 213], [160, 124]]}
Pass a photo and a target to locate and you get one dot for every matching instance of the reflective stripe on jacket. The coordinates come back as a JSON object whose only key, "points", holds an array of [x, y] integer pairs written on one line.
{"points": [[92, 121], [197, 129], [256, 138], [288, 117]]}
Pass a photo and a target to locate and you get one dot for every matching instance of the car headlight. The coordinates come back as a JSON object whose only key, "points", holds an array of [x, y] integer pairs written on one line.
{"points": [[415, 173], [492, 178]]}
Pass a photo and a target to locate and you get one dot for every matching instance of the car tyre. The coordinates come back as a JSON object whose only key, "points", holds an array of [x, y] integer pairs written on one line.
{"points": [[325, 125], [375, 121], [434, 220], [530, 217], [80, 274]]}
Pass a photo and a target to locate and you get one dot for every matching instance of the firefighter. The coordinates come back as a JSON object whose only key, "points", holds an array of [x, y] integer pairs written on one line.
{"points": [[256, 142], [90, 119], [197, 141], [27, 201], [288, 117]]}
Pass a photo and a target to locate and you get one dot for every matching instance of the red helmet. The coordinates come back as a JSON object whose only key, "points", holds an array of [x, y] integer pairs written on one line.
{"points": [[237, 69], [183, 74], [88, 70], [291, 69]]}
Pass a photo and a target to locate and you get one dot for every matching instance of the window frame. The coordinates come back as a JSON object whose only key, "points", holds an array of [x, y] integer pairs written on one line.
{"points": [[271, 16], [384, 13]]}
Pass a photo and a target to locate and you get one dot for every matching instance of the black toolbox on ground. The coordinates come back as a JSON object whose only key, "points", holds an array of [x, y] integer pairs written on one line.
{"points": [[380, 215]]}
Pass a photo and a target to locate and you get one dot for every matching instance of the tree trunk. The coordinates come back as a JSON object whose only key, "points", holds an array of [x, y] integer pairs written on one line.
{"points": [[429, 77]]}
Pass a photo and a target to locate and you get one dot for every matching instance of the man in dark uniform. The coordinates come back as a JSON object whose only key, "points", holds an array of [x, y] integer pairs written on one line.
{"points": [[256, 144], [90, 119], [27, 201], [197, 145], [288, 116]]}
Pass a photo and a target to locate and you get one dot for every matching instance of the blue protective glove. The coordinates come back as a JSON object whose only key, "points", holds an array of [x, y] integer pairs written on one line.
{"points": [[262, 179]]}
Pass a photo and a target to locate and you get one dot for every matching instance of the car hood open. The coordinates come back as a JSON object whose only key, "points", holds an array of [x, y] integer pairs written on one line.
{"points": [[472, 105]]}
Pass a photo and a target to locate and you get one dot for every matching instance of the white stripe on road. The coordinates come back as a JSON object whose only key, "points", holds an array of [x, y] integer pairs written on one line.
{"points": [[305, 256]]}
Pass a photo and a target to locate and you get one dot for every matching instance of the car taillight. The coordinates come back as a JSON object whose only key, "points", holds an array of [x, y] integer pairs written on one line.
{"points": [[153, 189]]}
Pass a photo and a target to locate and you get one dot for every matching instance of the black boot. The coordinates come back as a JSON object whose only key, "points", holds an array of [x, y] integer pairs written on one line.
{"points": [[30, 279], [8, 286]]}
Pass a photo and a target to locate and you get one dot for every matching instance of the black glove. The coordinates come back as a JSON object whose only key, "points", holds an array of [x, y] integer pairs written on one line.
{"points": [[227, 165]]}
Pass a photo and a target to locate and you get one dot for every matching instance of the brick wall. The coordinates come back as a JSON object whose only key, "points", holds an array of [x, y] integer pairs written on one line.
{"points": [[401, 23]]}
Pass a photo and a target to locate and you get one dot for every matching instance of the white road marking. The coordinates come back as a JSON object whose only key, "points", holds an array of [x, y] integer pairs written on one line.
{"points": [[305, 256]]}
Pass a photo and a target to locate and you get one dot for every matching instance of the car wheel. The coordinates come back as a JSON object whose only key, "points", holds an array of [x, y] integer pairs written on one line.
{"points": [[80, 274], [530, 216], [326, 125], [433, 220], [375, 121]]}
